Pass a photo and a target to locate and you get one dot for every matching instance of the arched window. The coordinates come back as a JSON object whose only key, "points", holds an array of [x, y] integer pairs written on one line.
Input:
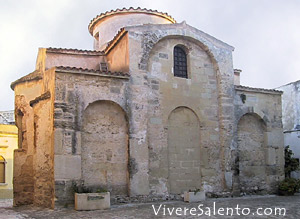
{"points": [[180, 62], [2, 169]]}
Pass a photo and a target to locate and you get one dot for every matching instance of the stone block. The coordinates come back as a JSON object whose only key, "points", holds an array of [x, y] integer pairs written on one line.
{"points": [[67, 167], [194, 196], [58, 113], [252, 171], [187, 164], [163, 55], [78, 142], [251, 99], [139, 184], [280, 155], [58, 141], [204, 157], [275, 138], [92, 201], [115, 90], [271, 156], [208, 172], [206, 95], [155, 121], [271, 170], [155, 86], [213, 137], [228, 179], [68, 142], [71, 96]]}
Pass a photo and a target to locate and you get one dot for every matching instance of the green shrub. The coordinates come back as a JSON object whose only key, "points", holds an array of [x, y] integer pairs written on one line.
{"points": [[291, 164], [195, 191], [84, 189], [101, 190], [289, 185], [81, 189]]}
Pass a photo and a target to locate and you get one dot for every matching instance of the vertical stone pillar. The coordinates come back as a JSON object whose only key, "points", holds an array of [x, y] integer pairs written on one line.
{"points": [[138, 109], [225, 77]]}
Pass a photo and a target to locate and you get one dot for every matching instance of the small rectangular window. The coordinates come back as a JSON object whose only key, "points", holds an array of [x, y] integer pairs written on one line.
{"points": [[180, 62]]}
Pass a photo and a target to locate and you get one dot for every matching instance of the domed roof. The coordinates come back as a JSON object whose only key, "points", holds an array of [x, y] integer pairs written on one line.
{"points": [[129, 10]]}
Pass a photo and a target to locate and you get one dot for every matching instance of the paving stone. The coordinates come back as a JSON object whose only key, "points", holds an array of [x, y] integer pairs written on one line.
{"points": [[145, 210]]}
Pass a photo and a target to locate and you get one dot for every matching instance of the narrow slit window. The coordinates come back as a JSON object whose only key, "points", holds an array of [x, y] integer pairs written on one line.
{"points": [[180, 62], [2, 169], [19, 124]]}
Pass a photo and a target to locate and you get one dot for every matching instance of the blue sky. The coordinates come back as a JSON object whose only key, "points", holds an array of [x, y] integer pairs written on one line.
{"points": [[265, 33]]}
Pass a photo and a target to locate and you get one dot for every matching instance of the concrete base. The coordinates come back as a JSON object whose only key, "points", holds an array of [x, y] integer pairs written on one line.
{"points": [[92, 201], [192, 197]]}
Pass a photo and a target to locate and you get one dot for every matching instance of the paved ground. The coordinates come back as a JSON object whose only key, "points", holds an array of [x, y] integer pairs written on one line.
{"points": [[237, 206]]}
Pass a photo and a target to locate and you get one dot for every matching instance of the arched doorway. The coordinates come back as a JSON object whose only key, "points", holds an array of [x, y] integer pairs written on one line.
{"points": [[251, 161], [105, 147], [183, 150]]}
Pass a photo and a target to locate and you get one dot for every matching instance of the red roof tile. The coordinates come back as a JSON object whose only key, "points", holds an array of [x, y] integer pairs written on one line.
{"points": [[240, 87], [36, 75], [77, 51], [93, 71], [125, 10]]}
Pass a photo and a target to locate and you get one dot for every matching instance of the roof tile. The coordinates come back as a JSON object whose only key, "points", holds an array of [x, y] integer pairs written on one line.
{"points": [[258, 89], [123, 10], [77, 51], [86, 70]]}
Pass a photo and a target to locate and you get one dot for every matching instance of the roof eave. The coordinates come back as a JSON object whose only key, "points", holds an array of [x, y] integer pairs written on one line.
{"points": [[95, 20]]}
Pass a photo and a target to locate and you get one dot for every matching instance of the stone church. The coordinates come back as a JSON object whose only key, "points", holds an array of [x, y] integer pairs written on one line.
{"points": [[154, 110]]}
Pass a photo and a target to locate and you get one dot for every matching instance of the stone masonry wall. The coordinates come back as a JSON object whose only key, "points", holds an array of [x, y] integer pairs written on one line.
{"points": [[184, 151], [142, 41], [33, 166], [250, 161], [199, 94], [74, 93], [23, 179], [266, 107], [104, 150]]}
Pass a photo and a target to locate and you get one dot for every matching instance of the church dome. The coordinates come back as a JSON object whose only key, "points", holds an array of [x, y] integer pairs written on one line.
{"points": [[106, 25]]}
